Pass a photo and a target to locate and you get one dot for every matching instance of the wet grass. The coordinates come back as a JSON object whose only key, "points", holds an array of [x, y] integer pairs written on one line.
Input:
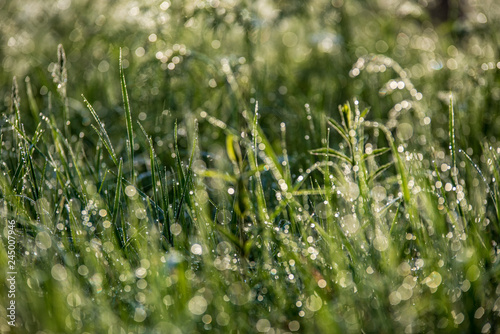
{"points": [[369, 236], [219, 219]]}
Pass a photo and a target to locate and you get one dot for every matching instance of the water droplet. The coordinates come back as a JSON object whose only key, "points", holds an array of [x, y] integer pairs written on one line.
{"points": [[140, 315], [380, 242], [473, 273], [379, 193], [73, 299], [59, 273], [405, 131], [43, 240], [196, 249], [433, 280], [350, 224], [176, 229], [140, 272], [239, 293], [314, 303], [323, 210], [263, 325], [130, 191], [83, 270]]}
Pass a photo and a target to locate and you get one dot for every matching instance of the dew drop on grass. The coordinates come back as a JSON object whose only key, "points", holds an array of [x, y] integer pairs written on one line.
{"points": [[379, 193], [130, 191], [350, 224], [486, 328], [73, 299], [459, 318], [108, 247], [479, 313], [465, 285], [473, 273], [404, 131], [43, 240], [322, 283], [59, 273], [223, 319], [263, 325], [239, 293], [404, 269], [344, 278], [223, 248], [394, 298], [168, 300], [456, 245], [294, 326], [140, 272], [314, 303], [323, 211], [176, 229], [405, 292], [140, 213], [207, 319], [380, 242], [349, 191], [139, 315], [433, 280], [83, 270], [196, 249], [142, 284]]}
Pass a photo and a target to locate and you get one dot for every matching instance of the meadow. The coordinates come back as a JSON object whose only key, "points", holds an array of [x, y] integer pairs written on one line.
{"points": [[234, 166]]}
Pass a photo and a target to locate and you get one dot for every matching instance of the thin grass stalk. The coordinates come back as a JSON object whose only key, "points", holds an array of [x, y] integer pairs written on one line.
{"points": [[128, 120]]}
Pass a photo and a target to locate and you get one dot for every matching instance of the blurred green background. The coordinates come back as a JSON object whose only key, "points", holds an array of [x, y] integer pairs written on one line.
{"points": [[180, 58]]}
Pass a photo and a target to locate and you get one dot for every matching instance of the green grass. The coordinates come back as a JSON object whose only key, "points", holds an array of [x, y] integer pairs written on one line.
{"points": [[188, 205]]}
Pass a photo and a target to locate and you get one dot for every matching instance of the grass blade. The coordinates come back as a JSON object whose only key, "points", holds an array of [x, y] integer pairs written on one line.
{"points": [[102, 133], [186, 184], [128, 119], [32, 102], [451, 128], [116, 204], [379, 171], [376, 152], [152, 159], [480, 172], [340, 130], [332, 153], [400, 166]]}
